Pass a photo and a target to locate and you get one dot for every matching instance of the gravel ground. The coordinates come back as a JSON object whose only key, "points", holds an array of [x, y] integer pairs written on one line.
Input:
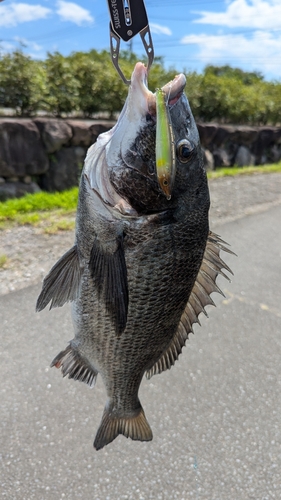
{"points": [[30, 253]]}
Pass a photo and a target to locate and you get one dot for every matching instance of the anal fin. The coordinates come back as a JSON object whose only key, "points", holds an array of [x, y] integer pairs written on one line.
{"points": [[204, 285], [73, 365], [134, 426], [61, 284]]}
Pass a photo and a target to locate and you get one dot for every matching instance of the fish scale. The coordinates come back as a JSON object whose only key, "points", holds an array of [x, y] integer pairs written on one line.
{"points": [[143, 265], [148, 310]]}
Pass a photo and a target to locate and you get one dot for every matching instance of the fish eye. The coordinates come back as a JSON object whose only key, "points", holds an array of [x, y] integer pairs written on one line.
{"points": [[184, 150]]}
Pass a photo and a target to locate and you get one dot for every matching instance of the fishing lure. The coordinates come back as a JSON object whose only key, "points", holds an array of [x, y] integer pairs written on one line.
{"points": [[165, 147]]}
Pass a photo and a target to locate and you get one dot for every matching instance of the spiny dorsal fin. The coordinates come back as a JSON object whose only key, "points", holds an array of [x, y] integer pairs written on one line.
{"points": [[204, 285], [109, 272], [61, 284], [72, 364]]}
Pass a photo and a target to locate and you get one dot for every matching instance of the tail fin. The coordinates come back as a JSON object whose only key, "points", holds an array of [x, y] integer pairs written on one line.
{"points": [[135, 427]]}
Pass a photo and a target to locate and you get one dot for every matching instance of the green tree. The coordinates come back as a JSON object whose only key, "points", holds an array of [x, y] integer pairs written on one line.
{"points": [[22, 83], [158, 76], [246, 77], [87, 82], [225, 97], [194, 90], [272, 102], [61, 95], [99, 86], [87, 73]]}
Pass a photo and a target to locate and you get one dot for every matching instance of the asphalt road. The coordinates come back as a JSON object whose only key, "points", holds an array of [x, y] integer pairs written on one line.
{"points": [[216, 415]]}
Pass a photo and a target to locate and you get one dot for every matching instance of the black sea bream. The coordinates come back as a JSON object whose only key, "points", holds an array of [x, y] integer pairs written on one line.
{"points": [[143, 265]]}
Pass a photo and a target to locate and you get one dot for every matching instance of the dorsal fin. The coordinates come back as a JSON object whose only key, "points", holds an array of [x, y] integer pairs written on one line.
{"points": [[204, 285]]}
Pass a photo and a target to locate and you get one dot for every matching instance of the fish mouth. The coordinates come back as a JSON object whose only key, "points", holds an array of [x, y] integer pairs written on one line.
{"points": [[173, 89], [131, 143], [157, 107]]}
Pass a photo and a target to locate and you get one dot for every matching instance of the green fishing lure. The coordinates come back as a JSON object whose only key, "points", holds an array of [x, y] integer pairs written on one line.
{"points": [[165, 147]]}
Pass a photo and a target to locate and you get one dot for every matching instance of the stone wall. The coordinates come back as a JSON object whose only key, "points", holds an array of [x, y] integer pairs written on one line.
{"points": [[43, 153], [229, 145], [48, 154]]}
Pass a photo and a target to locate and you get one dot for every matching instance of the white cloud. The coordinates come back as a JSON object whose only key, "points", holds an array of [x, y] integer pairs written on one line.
{"points": [[6, 46], [27, 43], [16, 13], [259, 14], [158, 29], [260, 51], [69, 11]]}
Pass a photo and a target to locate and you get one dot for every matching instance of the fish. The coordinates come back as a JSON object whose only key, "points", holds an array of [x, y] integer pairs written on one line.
{"points": [[144, 264]]}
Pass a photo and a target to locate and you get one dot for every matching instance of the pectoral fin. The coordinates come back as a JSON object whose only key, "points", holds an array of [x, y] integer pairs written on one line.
{"points": [[109, 272], [61, 285]]}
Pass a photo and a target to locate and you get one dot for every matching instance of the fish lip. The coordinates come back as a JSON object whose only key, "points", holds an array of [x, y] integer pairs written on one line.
{"points": [[173, 89], [139, 77], [139, 87]]}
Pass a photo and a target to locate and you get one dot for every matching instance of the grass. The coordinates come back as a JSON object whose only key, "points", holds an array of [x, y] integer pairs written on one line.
{"points": [[51, 212], [54, 212], [233, 171], [39, 202], [3, 260]]}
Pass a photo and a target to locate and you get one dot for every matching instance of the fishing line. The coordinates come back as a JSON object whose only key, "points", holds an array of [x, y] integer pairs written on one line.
{"points": [[170, 88]]}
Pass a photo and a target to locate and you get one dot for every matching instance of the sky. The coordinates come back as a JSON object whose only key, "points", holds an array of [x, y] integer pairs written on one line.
{"points": [[188, 34]]}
